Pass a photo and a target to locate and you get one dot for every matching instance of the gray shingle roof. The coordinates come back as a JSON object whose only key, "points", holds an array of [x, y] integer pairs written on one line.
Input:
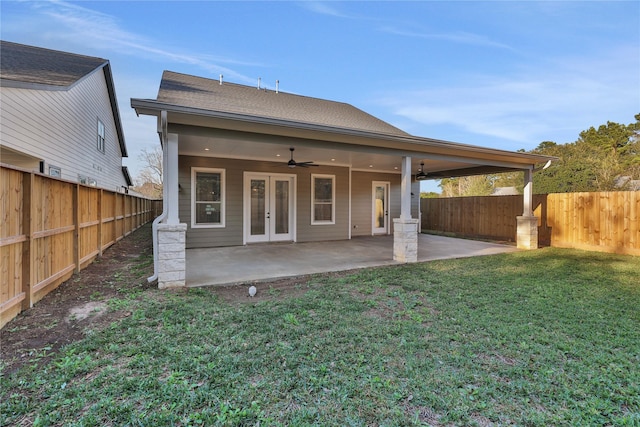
{"points": [[35, 65], [208, 94]]}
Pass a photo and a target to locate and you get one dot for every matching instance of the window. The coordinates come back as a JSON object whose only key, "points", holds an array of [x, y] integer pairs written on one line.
{"points": [[55, 171], [323, 196], [100, 136], [207, 195]]}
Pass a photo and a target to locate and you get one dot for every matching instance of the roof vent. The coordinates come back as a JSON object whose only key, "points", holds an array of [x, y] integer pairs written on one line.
{"points": [[221, 76], [259, 80], [277, 86]]}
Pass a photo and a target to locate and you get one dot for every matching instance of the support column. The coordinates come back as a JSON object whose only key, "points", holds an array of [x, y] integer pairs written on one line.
{"points": [[527, 224], [170, 176], [172, 265], [405, 189], [170, 253], [405, 228], [528, 193], [405, 240]]}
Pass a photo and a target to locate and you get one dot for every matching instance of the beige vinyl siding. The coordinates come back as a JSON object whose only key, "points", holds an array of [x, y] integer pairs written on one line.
{"points": [[232, 233], [60, 127], [362, 200]]}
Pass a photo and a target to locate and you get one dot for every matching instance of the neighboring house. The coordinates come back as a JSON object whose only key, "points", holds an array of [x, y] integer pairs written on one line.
{"points": [[59, 116], [227, 181], [505, 191], [628, 184]]}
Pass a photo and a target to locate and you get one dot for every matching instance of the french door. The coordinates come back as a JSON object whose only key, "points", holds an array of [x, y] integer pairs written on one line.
{"points": [[380, 208], [269, 207]]}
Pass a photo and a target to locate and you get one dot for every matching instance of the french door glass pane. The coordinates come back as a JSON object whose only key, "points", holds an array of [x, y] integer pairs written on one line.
{"points": [[257, 207], [380, 207], [282, 207]]}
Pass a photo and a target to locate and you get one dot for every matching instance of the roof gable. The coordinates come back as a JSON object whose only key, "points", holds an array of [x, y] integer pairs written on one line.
{"points": [[202, 93]]}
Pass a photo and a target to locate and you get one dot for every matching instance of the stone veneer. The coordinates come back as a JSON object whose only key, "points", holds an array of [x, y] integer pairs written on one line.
{"points": [[405, 240], [527, 232], [172, 265]]}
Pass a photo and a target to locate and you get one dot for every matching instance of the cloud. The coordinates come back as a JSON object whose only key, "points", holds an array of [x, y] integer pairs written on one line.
{"points": [[79, 24], [322, 8], [554, 101], [460, 37]]}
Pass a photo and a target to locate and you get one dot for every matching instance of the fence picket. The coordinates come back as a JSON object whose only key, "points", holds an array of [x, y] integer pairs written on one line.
{"points": [[51, 227]]}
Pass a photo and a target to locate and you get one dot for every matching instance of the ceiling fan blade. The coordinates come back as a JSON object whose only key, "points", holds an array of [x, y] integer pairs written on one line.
{"points": [[292, 163]]}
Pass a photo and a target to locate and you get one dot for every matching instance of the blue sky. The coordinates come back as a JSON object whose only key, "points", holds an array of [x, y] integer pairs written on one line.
{"points": [[502, 74]]}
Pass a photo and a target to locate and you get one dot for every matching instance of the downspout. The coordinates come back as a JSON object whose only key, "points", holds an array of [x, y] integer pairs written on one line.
{"points": [[163, 215]]}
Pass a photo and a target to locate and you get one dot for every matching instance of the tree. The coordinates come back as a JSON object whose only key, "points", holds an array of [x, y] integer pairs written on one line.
{"points": [[149, 181], [429, 195], [594, 162], [478, 185]]}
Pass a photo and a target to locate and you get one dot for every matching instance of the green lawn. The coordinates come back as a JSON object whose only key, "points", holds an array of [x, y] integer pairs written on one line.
{"points": [[548, 337]]}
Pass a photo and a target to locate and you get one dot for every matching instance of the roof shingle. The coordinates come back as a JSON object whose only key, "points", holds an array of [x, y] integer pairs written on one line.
{"points": [[208, 94], [35, 65]]}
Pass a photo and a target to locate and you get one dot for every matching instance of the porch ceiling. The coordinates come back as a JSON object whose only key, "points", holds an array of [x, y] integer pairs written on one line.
{"points": [[207, 142], [279, 152]]}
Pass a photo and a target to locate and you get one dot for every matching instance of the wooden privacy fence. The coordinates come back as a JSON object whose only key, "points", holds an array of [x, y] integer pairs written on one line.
{"points": [[606, 221], [51, 228]]}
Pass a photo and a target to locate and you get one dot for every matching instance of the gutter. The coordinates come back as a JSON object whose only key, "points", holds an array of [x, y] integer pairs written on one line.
{"points": [[163, 215]]}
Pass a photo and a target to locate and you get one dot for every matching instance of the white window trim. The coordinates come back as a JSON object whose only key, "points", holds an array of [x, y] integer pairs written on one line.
{"points": [[101, 140], [333, 199], [223, 203]]}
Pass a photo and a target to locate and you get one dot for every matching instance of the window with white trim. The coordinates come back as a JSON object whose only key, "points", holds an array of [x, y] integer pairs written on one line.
{"points": [[207, 197], [323, 196], [101, 136]]}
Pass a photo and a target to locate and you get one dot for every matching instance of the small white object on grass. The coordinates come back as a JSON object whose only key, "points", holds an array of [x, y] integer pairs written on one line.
{"points": [[252, 290]]}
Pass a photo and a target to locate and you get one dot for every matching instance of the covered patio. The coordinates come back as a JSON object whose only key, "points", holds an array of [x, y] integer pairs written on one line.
{"points": [[228, 183], [264, 262]]}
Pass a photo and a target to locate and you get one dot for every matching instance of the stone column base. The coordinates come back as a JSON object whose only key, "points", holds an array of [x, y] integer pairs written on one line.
{"points": [[527, 232], [172, 264], [405, 240]]}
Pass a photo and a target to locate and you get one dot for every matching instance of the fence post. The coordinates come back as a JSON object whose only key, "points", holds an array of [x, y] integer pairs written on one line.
{"points": [[76, 222], [27, 229], [100, 221]]}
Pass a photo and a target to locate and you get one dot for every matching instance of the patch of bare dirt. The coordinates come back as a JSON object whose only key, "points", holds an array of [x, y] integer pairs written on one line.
{"points": [[79, 304]]}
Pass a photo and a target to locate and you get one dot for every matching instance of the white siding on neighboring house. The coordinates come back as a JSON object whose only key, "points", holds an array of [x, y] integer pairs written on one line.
{"points": [[60, 128]]}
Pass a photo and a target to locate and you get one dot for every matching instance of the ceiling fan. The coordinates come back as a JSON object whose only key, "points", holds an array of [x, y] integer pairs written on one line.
{"points": [[292, 163]]}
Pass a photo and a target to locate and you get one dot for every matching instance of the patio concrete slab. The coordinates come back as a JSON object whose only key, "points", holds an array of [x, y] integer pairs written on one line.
{"points": [[262, 262]]}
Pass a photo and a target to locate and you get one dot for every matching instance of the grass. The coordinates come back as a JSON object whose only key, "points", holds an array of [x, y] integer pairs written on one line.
{"points": [[548, 337]]}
